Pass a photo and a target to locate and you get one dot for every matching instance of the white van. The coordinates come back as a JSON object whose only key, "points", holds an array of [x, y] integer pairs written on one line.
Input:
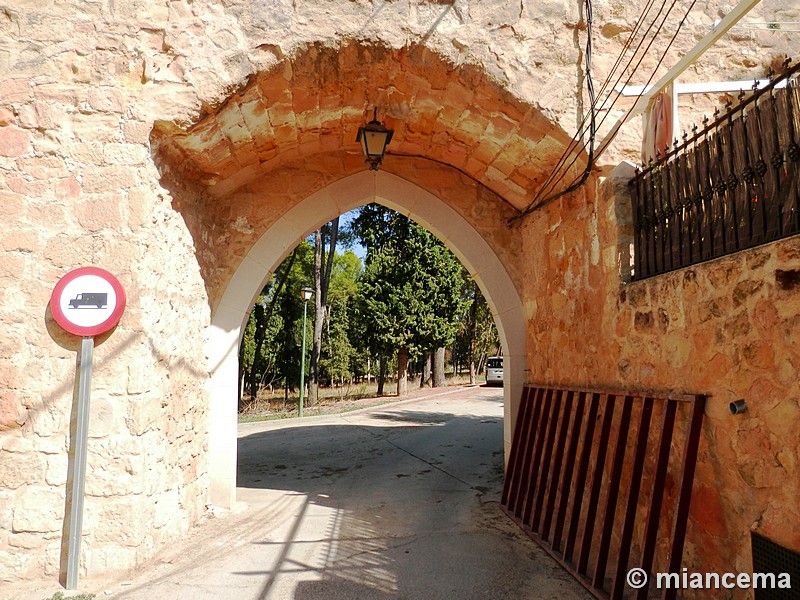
{"points": [[494, 370]]}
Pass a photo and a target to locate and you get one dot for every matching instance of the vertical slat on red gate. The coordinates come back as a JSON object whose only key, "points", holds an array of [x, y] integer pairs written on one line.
{"points": [[633, 499], [558, 461], [548, 414], [526, 442], [685, 492], [580, 480], [546, 462], [569, 466], [597, 481], [613, 493], [538, 422], [517, 457], [656, 497]]}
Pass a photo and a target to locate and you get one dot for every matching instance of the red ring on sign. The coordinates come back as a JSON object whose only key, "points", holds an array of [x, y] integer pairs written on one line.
{"points": [[69, 326]]}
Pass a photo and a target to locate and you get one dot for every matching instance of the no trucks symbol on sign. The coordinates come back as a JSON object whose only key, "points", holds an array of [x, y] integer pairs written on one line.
{"points": [[87, 301]]}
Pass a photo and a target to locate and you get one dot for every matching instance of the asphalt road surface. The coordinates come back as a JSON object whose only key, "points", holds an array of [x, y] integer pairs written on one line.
{"points": [[399, 501]]}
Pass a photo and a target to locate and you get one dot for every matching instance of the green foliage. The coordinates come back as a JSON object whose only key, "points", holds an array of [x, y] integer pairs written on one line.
{"points": [[61, 596], [338, 353], [270, 347], [409, 295], [477, 330]]}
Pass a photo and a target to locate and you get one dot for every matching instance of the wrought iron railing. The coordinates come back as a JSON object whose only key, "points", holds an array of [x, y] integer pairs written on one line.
{"points": [[733, 185]]}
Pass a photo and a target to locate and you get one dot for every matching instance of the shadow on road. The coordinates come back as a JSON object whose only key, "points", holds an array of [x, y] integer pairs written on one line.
{"points": [[399, 503]]}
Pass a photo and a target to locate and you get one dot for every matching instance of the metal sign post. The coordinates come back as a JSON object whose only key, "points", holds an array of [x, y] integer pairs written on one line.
{"points": [[86, 302], [79, 469]]}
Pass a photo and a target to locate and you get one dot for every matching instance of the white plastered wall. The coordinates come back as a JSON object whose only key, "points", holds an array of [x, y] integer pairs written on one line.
{"points": [[276, 243]]}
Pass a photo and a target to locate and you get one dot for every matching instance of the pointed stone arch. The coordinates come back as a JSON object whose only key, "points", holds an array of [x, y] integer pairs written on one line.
{"points": [[278, 157], [275, 244]]}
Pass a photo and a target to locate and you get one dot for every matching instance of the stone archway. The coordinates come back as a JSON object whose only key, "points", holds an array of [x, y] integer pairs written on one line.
{"points": [[273, 246], [278, 157]]}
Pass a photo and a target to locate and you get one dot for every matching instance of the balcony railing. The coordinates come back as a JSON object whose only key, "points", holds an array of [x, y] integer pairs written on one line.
{"points": [[733, 185]]}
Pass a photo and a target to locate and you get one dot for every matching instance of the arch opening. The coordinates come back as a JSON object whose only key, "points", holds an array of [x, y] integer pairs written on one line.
{"points": [[276, 242]]}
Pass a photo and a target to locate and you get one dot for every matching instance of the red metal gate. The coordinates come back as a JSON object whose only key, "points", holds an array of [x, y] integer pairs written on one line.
{"points": [[563, 486]]}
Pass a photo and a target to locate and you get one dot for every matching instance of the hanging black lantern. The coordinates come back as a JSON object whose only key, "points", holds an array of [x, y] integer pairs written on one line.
{"points": [[374, 138]]}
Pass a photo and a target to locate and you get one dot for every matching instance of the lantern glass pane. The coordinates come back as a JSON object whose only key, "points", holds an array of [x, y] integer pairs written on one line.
{"points": [[374, 142]]}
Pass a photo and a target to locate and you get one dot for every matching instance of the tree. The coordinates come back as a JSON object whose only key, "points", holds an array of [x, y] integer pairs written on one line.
{"points": [[477, 334], [338, 353], [261, 316], [410, 291], [324, 253], [269, 349]]}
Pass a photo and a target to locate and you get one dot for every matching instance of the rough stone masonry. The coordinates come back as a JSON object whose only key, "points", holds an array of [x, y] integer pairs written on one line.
{"points": [[159, 139]]}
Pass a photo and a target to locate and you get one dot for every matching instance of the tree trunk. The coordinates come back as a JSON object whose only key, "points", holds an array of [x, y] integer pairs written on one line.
{"points": [[438, 368], [473, 379], [473, 322], [381, 372], [323, 267], [319, 320], [425, 377], [263, 315], [260, 334], [402, 372]]}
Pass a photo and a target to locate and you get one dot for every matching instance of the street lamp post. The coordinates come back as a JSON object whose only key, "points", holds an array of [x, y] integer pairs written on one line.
{"points": [[305, 294]]}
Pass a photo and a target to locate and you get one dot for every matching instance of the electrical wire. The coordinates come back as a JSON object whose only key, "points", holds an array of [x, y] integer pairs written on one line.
{"points": [[576, 183], [462, 171], [577, 139], [580, 130], [550, 184]]}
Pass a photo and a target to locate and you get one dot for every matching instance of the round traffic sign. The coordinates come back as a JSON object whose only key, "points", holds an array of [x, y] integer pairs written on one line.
{"points": [[87, 301]]}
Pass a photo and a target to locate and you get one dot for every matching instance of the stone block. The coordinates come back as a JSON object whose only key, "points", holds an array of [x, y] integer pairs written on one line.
{"points": [[14, 141], [106, 99], [69, 187], [109, 559], [12, 206], [103, 419], [13, 565], [110, 179], [141, 202], [26, 541], [38, 509], [16, 444], [136, 133], [20, 469], [45, 167], [14, 91], [96, 215], [56, 470], [122, 521], [125, 154]]}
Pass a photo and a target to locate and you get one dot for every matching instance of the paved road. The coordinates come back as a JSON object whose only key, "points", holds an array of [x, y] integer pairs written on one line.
{"points": [[399, 501]]}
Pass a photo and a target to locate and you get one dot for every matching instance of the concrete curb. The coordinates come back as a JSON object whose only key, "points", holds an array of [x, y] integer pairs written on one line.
{"points": [[254, 426]]}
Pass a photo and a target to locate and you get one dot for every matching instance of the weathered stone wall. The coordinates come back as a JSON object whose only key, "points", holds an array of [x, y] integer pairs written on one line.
{"points": [[78, 187], [82, 84], [727, 328]]}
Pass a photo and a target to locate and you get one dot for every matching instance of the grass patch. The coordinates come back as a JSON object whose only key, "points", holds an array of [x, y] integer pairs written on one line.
{"points": [[61, 596], [273, 405]]}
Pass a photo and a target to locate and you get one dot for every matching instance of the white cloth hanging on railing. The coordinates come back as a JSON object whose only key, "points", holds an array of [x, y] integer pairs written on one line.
{"points": [[658, 125]]}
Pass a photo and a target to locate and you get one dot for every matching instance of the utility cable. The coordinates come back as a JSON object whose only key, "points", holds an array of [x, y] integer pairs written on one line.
{"points": [[580, 130], [582, 179], [549, 183]]}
